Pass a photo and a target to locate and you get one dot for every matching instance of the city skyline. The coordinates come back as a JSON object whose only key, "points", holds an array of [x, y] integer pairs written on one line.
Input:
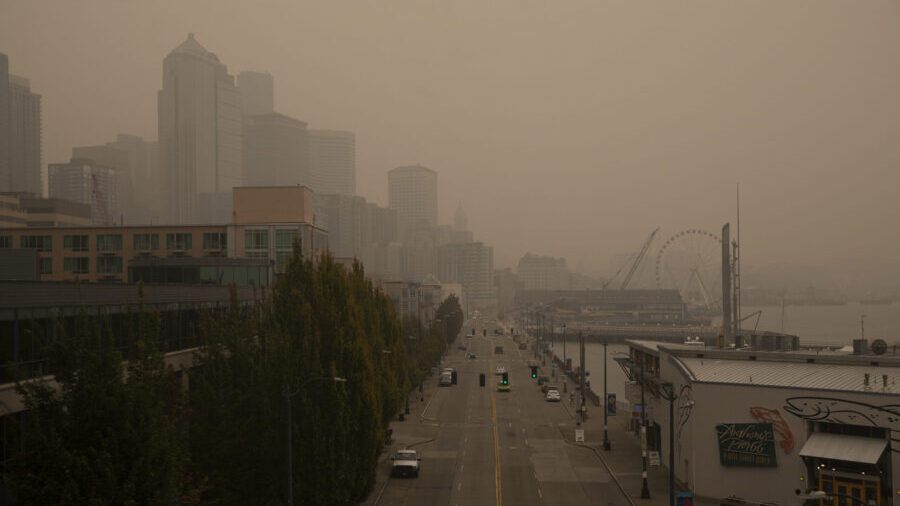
{"points": [[832, 218]]}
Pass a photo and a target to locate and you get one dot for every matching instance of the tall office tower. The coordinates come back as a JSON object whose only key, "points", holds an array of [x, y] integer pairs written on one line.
{"points": [[4, 123], [543, 273], [332, 161], [87, 182], [257, 92], [200, 130], [276, 151], [108, 156], [23, 138], [412, 191], [143, 162]]}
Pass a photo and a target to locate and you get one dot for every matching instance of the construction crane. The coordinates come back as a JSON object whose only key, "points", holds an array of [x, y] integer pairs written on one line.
{"points": [[638, 258]]}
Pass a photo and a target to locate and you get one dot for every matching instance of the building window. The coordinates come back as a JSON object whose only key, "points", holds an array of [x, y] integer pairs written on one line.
{"points": [[76, 265], [46, 266], [5, 241], [179, 241], [257, 254], [284, 239], [281, 260], [109, 242], [145, 242], [256, 239], [76, 242], [109, 265], [215, 240], [38, 242]]}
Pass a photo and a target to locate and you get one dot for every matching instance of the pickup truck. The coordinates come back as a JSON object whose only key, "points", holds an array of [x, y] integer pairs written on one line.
{"points": [[405, 463]]}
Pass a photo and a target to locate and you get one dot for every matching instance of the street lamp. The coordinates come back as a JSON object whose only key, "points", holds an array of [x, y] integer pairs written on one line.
{"points": [[288, 395], [645, 489], [606, 445]]}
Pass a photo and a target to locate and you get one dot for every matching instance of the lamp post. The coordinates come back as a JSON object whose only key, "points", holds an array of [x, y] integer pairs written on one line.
{"points": [[606, 445], [668, 391], [288, 395], [645, 489]]}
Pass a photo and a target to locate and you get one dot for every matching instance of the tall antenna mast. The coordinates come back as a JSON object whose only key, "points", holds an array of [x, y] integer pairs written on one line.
{"points": [[737, 265]]}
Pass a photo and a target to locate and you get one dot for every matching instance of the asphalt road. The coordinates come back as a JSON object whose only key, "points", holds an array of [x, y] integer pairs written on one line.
{"points": [[484, 447]]}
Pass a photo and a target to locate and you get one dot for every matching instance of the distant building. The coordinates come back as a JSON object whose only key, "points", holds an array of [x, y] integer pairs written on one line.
{"points": [[412, 192], [29, 210], [332, 161], [200, 130], [507, 285], [146, 202], [266, 223], [20, 148], [472, 266], [109, 156], [543, 273], [276, 151], [88, 182], [257, 92]]}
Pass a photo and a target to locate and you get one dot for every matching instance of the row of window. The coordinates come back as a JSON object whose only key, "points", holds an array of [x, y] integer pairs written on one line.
{"points": [[259, 239], [81, 265], [113, 242]]}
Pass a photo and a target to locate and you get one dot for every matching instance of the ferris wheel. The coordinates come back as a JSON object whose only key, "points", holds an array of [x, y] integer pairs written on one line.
{"points": [[691, 262]]}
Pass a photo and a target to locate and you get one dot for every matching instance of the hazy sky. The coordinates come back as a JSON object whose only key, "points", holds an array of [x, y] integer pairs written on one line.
{"points": [[568, 128]]}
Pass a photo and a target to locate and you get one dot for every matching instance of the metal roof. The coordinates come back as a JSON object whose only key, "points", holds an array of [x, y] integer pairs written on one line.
{"points": [[782, 373]]}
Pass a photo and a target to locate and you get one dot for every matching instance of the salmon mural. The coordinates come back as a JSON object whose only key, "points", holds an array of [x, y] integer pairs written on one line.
{"points": [[766, 415]]}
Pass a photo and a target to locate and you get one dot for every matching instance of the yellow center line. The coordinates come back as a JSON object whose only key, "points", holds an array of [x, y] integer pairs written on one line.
{"points": [[496, 435]]}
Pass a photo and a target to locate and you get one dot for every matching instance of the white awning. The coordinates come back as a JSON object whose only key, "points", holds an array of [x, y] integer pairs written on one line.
{"points": [[866, 450]]}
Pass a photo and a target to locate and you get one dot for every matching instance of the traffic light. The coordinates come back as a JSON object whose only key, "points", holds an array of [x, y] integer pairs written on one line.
{"points": [[533, 371], [506, 378]]}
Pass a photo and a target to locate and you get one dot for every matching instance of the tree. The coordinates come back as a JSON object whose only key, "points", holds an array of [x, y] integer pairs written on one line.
{"points": [[107, 432]]}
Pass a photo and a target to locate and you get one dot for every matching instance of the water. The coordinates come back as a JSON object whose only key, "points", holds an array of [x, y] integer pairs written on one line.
{"points": [[830, 324], [814, 324]]}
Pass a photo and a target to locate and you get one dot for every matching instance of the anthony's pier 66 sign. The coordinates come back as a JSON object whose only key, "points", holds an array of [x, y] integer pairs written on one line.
{"points": [[746, 444]]}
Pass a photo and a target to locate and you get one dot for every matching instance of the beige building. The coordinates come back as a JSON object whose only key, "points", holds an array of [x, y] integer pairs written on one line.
{"points": [[28, 210], [266, 222]]}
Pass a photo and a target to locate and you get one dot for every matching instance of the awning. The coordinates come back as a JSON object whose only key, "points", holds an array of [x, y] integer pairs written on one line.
{"points": [[823, 445]]}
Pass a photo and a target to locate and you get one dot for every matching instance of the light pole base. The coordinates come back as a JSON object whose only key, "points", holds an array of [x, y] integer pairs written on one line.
{"points": [[606, 445], [645, 490]]}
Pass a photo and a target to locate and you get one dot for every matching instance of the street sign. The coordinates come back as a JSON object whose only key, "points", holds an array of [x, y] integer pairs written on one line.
{"points": [[654, 458], [611, 404], [579, 435]]}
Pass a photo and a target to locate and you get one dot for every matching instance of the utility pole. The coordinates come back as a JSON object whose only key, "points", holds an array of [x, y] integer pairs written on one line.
{"points": [[580, 419], [606, 445]]}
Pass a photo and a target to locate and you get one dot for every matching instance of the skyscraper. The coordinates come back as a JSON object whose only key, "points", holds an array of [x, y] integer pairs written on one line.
{"points": [[276, 151], [200, 130], [87, 182], [412, 191], [257, 92], [20, 134], [332, 161]]}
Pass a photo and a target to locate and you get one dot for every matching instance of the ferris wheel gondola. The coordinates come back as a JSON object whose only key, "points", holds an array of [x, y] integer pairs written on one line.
{"points": [[690, 261]]}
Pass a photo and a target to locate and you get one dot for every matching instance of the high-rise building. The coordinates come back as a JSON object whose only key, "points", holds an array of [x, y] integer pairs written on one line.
{"points": [[257, 92], [332, 161], [4, 123], [143, 161], [472, 266], [87, 182], [23, 138], [543, 273], [109, 156], [276, 151], [200, 135], [412, 191]]}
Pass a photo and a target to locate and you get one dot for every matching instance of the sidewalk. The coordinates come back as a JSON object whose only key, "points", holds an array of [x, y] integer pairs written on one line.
{"points": [[623, 460]]}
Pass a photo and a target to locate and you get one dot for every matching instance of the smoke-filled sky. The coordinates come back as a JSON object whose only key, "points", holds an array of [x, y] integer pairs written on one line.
{"points": [[569, 128]]}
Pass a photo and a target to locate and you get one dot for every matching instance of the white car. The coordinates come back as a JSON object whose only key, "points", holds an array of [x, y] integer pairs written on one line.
{"points": [[405, 463], [500, 370], [553, 396]]}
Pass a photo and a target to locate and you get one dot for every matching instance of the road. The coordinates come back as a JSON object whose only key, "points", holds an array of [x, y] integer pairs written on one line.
{"points": [[484, 447]]}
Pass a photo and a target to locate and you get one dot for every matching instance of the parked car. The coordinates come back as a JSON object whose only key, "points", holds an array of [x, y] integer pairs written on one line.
{"points": [[472, 356], [405, 463], [553, 396], [446, 379]]}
